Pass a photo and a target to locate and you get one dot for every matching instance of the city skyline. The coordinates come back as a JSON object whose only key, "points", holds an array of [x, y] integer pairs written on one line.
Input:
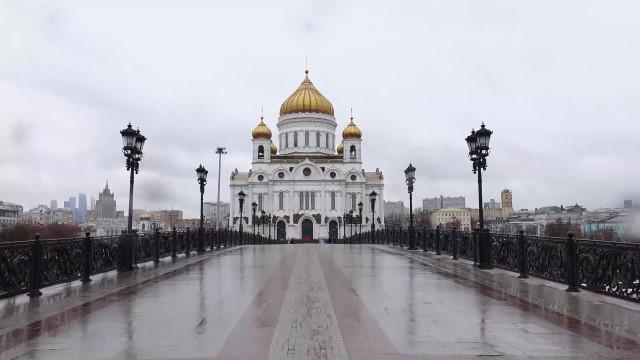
{"points": [[562, 111]]}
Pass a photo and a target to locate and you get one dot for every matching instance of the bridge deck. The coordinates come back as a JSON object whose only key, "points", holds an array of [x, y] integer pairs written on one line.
{"points": [[301, 302]]}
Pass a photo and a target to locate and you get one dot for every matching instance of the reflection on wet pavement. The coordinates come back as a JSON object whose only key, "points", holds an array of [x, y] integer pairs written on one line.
{"points": [[305, 302]]}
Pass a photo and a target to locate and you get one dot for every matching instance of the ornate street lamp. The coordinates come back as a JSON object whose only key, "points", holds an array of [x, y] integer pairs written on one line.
{"points": [[202, 180], [270, 224], [254, 207], [372, 199], [241, 196], [350, 215], [410, 175], [478, 143], [360, 206], [263, 220], [132, 145]]}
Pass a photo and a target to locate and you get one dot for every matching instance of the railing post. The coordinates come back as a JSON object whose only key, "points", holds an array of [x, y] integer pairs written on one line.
{"points": [[438, 240], [187, 249], [125, 251], [475, 247], [571, 261], [200, 241], [35, 271], [454, 244], [174, 241], [522, 256], [86, 258], [156, 246], [485, 249]]}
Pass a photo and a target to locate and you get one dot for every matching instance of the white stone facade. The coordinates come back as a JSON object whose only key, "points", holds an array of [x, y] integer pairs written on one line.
{"points": [[307, 183]]}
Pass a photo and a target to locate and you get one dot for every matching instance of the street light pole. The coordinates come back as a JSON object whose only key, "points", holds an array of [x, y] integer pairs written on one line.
{"points": [[478, 143], [360, 206], [220, 151], [254, 207], [241, 196], [410, 175], [202, 180], [372, 199], [133, 143]]}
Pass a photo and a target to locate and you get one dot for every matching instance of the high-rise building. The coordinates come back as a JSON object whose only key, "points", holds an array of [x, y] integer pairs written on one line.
{"points": [[507, 203], [442, 202], [210, 210], [53, 205], [106, 204], [82, 208], [10, 214], [93, 203], [492, 204]]}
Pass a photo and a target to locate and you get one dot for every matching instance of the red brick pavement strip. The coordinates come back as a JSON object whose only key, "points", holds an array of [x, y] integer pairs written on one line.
{"points": [[51, 323], [362, 335], [598, 335], [251, 337]]}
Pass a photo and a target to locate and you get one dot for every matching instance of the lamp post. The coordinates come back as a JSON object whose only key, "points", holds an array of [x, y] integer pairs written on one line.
{"points": [[133, 143], [263, 220], [410, 175], [220, 151], [270, 223], [372, 199], [202, 180], [241, 196], [350, 223], [478, 143], [344, 226], [360, 206], [254, 207]]}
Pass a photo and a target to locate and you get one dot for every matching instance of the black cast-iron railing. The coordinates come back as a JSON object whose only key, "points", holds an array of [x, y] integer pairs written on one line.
{"points": [[611, 268], [28, 266]]}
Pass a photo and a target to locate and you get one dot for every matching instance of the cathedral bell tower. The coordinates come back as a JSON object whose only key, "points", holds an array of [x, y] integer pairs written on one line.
{"points": [[262, 146], [351, 143]]}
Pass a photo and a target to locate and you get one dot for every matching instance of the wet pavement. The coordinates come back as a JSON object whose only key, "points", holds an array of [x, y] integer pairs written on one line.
{"points": [[303, 302]]}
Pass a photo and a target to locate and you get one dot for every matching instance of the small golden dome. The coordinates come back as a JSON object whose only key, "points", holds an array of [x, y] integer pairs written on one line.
{"points": [[351, 131], [145, 217], [261, 131], [306, 99], [340, 149], [274, 149]]}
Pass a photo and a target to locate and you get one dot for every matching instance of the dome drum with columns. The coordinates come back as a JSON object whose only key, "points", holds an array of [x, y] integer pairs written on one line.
{"points": [[310, 179]]}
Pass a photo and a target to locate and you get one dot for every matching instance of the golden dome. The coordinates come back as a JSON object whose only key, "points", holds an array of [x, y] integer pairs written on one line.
{"points": [[261, 131], [306, 99], [351, 131], [274, 149], [340, 149], [145, 217]]}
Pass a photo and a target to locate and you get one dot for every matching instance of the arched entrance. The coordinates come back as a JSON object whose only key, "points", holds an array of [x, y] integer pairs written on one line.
{"points": [[307, 230], [333, 231], [281, 231]]}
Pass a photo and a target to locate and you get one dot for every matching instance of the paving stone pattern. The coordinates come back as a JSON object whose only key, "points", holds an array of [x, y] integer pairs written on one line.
{"points": [[307, 327]]}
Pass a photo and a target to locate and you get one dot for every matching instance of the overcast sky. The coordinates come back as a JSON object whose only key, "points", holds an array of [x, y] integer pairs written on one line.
{"points": [[557, 81]]}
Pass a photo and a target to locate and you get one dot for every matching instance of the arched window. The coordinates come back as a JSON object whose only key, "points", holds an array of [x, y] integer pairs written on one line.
{"points": [[313, 201], [306, 139], [280, 201], [326, 140], [333, 200], [260, 152], [259, 202], [306, 201], [295, 139], [317, 138], [352, 152], [353, 202], [286, 140], [301, 201]]}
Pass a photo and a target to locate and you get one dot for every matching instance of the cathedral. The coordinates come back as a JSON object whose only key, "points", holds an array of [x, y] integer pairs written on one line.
{"points": [[305, 187]]}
